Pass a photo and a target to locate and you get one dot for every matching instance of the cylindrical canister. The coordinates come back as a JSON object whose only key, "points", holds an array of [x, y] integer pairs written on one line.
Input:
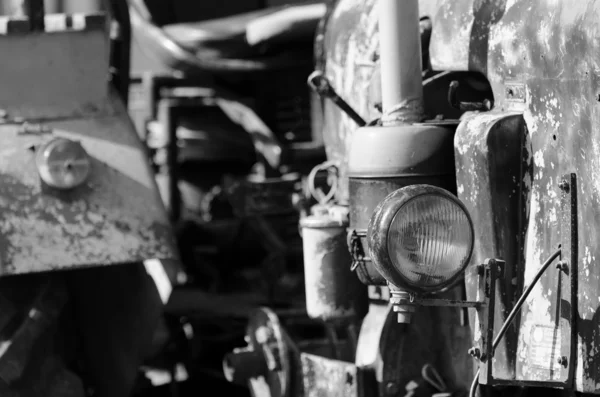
{"points": [[333, 292]]}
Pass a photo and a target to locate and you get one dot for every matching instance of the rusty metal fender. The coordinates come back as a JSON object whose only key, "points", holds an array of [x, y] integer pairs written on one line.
{"points": [[541, 60], [58, 78], [115, 217], [489, 175]]}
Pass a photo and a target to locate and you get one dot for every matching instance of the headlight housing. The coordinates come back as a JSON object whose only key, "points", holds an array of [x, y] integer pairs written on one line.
{"points": [[63, 163], [421, 238]]}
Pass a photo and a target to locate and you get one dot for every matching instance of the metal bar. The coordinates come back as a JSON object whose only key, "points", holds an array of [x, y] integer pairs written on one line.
{"points": [[401, 63], [570, 257], [168, 112], [443, 303], [529, 383]]}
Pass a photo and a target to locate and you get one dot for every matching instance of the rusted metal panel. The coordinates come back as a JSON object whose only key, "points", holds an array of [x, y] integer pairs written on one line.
{"points": [[351, 57], [324, 377], [59, 78], [350, 44], [489, 182], [551, 48], [116, 217], [550, 350]]}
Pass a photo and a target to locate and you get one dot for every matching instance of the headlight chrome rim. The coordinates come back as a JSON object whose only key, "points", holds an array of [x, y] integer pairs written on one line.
{"points": [[379, 228]]}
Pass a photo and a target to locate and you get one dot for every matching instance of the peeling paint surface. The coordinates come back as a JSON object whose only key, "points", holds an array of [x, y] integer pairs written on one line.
{"points": [[488, 161], [551, 47], [351, 43], [115, 217], [352, 46], [326, 377]]}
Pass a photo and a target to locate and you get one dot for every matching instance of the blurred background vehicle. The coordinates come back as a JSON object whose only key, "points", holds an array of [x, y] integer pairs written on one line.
{"points": [[218, 93]]}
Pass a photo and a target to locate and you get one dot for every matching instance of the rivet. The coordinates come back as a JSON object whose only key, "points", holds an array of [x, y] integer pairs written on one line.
{"points": [[562, 265], [562, 361]]}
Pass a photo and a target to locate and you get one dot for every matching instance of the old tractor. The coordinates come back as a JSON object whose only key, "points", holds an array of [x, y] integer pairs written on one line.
{"points": [[463, 135]]}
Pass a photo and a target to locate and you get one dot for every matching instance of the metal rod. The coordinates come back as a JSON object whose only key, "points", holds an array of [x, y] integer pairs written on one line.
{"points": [[401, 61], [321, 85], [443, 303], [514, 311]]}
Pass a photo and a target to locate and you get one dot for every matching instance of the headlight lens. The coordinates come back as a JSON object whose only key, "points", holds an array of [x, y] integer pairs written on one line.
{"points": [[421, 238], [63, 163]]}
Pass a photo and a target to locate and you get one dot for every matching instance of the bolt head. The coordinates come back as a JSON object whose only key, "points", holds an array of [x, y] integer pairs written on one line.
{"points": [[562, 265], [480, 270], [474, 352], [562, 361]]}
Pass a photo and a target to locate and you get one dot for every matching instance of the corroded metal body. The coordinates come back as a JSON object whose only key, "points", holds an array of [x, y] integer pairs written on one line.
{"points": [[540, 60], [527, 170], [545, 89], [62, 90], [350, 42]]}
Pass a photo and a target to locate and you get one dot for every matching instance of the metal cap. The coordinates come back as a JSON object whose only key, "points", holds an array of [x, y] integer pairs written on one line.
{"points": [[403, 150], [324, 217]]}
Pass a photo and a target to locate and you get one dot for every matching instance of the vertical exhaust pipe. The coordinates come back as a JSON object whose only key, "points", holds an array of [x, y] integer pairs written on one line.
{"points": [[401, 62], [401, 86]]}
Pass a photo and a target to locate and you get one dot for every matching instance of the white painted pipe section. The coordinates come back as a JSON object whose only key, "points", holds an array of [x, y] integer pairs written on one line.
{"points": [[84, 6], [15, 8], [401, 64]]}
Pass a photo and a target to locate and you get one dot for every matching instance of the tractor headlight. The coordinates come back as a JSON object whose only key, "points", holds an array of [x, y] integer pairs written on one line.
{"points": [[63, 163], [421, 238]]}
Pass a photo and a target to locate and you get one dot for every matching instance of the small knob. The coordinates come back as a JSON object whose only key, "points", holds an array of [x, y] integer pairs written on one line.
{"points": [[564, 186]]}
